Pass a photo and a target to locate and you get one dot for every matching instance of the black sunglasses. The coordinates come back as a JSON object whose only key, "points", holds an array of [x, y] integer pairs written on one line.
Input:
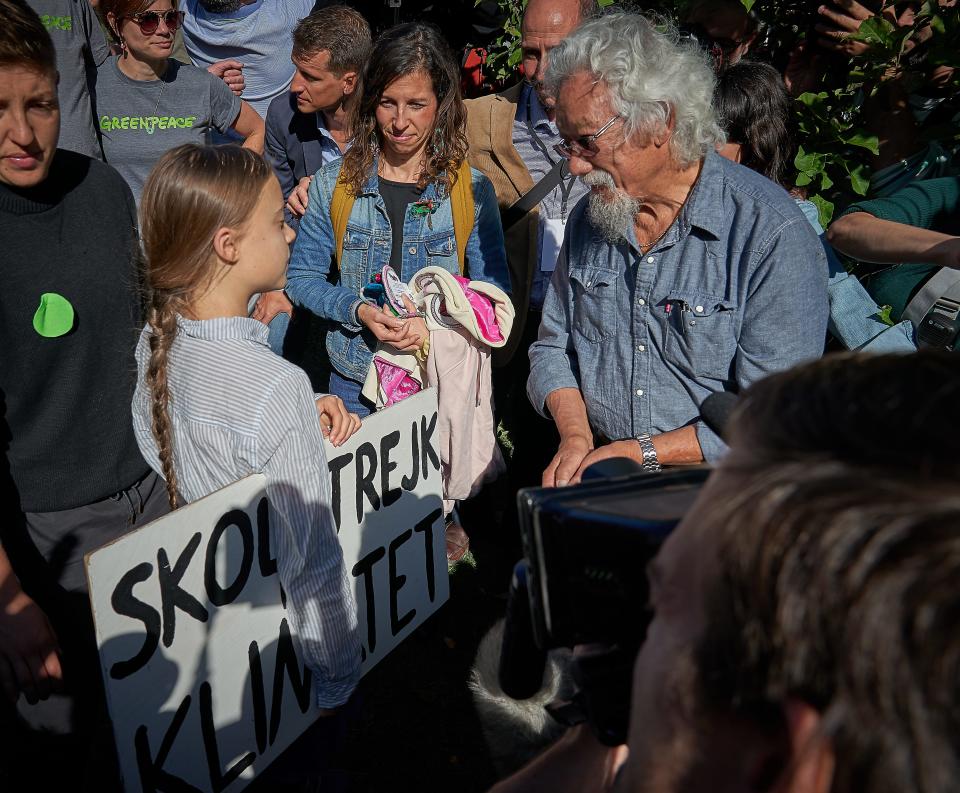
{"points": [[149, 21]]}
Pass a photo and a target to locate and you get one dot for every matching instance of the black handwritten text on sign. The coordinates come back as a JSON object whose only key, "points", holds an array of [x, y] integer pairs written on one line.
{"points": [[179, 589], [205, 682], [387, 505]]}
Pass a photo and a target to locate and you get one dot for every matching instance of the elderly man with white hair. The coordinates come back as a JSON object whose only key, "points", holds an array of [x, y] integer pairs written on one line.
{"points": [[681, 274]]}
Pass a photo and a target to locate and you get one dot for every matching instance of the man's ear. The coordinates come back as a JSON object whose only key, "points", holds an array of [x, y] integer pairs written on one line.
{"points": [[225, 245], [812, 761], [349, 81], [662, 137]]}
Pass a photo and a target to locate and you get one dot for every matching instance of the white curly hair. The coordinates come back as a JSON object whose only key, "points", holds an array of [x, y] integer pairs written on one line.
{"points": [[651, 73]]}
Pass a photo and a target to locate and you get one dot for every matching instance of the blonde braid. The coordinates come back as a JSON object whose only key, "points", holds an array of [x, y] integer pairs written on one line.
{"points": [[163, 322]]}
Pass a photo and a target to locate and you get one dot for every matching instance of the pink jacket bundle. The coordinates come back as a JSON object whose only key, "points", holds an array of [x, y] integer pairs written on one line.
{"points": [[466, 319]]}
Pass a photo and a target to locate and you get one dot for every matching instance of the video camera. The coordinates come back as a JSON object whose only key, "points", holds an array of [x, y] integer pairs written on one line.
{"points": [[583, 583]]}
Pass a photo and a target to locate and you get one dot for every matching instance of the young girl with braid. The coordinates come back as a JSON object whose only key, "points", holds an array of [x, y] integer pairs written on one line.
{"points": [[213, 404]]}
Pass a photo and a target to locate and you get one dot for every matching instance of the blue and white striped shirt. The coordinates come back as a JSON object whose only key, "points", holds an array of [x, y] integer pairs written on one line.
{"points": [[237, 409]]}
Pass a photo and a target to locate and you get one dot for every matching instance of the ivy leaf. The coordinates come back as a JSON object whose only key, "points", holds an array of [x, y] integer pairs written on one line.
{"points": [[803, 179], [808, 163], [605, 3], [824, 207], [859, 180], [876, 31], [747, 4], [870, 142], [884, 315], [825, 181]]}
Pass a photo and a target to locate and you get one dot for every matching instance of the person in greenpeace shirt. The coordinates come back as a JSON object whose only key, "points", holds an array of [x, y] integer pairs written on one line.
{"points": [[148, 103]]}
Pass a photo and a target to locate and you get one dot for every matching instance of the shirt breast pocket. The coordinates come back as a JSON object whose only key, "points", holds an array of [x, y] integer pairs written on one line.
{"points": [[594, 303], [701, 334], [441, 250], [356, 249]]}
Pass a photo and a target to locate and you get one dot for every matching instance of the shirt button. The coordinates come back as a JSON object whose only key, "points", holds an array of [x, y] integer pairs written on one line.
{"points": [[639, 392], [641, 348], [641, 302], [649, 260], [699, 309], [412, 250]]}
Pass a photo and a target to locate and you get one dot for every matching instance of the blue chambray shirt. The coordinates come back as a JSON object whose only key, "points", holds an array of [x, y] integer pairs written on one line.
{"points": [[735, 289]]}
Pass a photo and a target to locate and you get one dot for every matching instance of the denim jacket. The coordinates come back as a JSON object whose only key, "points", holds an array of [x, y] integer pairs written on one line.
{"points": [[366, 249]]}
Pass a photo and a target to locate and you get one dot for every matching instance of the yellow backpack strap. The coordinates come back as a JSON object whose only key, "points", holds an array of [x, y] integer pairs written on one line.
{"points": [[462, 206], [340, 205]]}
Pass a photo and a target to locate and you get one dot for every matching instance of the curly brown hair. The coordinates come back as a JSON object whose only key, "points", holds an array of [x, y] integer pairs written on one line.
{"points": [[400, 51]]}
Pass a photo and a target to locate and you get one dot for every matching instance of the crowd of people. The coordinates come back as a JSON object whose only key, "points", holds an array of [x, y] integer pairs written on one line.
{"points": [[233, 230]]}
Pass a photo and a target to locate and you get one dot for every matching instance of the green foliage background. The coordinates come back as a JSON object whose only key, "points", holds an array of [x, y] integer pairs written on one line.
{"points": [[836, 153]]}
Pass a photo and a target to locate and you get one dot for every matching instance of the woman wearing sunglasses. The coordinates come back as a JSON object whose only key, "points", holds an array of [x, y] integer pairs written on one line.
{"points": [[148, 103]]}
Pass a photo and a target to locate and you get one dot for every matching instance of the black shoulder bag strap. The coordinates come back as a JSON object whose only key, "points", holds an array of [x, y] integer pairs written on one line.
{"points": [[518, 210], [551, 179]]}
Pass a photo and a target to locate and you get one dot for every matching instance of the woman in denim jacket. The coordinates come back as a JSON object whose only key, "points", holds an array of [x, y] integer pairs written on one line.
{"points": [[408, 143]]}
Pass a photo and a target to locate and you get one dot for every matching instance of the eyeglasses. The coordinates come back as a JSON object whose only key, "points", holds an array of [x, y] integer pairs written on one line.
{"points": [[149, 21], [583, 146]]}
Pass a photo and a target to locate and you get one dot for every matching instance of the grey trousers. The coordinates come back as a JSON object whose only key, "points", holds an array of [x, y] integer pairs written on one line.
{"points": [[65, 742]]}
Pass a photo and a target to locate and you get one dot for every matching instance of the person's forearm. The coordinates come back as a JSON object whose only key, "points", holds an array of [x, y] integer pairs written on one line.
{"points": [[254, 142], [872, 239], [569, 413], [9, 583], [577, 762], [678, 447]]}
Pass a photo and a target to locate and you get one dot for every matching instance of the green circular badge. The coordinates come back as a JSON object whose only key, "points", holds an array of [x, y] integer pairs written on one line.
{"points": [[54, 317]]}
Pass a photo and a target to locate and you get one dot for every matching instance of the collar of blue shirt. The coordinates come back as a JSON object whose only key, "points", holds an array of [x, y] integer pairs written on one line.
{"points": [[538, 113], [704, 206]]}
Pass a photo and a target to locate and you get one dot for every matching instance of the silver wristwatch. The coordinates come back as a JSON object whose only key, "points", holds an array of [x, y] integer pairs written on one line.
{"points": [[650, 461]]}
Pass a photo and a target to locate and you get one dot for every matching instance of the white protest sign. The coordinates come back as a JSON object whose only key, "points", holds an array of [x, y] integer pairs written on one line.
{"points": [[204, 679]]}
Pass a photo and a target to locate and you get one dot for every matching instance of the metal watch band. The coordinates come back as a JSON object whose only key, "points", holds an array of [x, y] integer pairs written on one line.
{"points": [[650, 461]]}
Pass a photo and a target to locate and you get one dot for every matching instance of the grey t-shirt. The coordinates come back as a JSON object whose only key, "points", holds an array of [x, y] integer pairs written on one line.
{"points": [[142, 119], [81, 47]]}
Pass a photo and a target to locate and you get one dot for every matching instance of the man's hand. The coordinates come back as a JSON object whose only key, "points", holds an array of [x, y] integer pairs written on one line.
{"points": [[336, 423], [297, 200], [231, 72], [565, 465], [270, 304], [842, 19], [29, 652], [627, 448], [802, 72]]}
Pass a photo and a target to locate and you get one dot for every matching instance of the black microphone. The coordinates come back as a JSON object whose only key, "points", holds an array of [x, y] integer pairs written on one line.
{"points": [[522, 662], [716, 410]]}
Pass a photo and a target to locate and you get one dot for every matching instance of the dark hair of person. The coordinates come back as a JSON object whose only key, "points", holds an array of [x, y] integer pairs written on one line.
{"points": [[398, 52], [191, 192], [341, 31], [753, 108], [839, 558], [124, 9], [24, 41]]}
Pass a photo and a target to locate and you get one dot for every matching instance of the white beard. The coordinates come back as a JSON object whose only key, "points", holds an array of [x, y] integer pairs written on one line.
{"points": [[611, 212]]}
